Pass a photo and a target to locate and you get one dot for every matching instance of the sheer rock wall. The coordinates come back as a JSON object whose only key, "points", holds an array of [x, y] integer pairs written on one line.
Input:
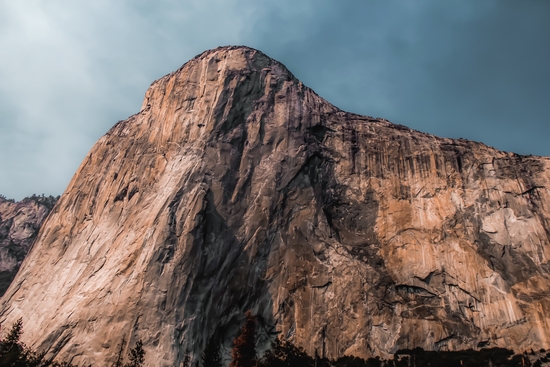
{"points": [[236, 187]]}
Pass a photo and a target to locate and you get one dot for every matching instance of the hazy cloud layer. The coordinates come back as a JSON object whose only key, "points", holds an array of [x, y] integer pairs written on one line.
{"points": [[71, 69]]}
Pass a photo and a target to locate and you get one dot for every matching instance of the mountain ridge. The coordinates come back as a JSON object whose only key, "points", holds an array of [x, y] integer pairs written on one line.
{"points": [[236, 187]]}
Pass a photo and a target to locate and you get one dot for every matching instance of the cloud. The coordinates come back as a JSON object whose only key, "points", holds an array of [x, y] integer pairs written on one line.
{"points": [[75, 68], [455, 68], [464, 68]]}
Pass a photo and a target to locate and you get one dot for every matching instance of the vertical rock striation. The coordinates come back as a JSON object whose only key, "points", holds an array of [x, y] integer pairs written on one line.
{"points": [[19, 224], [236, 187]]}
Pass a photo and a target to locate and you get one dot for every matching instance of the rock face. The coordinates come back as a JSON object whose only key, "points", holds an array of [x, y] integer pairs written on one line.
{"points": [[236, 187], [19, 224]]}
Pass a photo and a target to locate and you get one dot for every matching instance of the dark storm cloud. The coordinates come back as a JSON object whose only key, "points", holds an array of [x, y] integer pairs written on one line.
{"points": [[70, 70], [476, 70]]}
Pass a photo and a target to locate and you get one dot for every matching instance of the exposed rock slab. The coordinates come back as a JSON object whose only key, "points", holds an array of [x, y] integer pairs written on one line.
{"points": [[237, 187], [19, 225]]}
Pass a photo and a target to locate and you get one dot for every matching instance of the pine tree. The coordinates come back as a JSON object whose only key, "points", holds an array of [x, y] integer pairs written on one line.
{"points": [[211, 356], [136, 355], [120, 353], [11, 350], [15, 333], [285, 354], [187, 359], [244, 345]]}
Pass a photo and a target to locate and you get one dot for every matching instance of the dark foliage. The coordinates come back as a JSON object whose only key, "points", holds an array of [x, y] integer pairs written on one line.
{"points": [[211, 356], [244, 346], [187, 360], [349, 361], [120, 353], [13, 353], [470, 358], [11, 350], [2, 197], [136, 355], [48, 201], [285, 354], [15, 333]]}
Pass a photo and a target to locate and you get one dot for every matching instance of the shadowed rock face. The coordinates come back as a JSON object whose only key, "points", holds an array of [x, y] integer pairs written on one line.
{"points": [[19, 224], [236, 187]]}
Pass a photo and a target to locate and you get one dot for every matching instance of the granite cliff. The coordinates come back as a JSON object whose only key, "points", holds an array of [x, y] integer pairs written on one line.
{"points": [[19, 225], [237, 187]]}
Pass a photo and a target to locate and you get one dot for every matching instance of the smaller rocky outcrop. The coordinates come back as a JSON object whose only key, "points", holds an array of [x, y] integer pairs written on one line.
{"points": [[19, 225]]}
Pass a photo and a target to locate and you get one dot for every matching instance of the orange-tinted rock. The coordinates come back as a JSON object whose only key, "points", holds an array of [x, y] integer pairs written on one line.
{"points": [[236, 187], [19, 225]]}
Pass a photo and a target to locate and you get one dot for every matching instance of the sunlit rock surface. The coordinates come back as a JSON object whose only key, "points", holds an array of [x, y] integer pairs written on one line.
{"points": [[19, 225], [236, 187]]}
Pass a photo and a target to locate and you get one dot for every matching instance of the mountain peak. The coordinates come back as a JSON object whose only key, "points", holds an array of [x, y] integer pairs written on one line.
{"points": [[238, 188], [236, 58], [224, 49]]}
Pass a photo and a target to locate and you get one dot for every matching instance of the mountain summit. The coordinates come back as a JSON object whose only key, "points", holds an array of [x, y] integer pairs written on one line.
{"points": [[236, 187]]}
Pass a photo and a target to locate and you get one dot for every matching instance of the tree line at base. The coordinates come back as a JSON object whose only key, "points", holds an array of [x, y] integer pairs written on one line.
{"points": [[13, 353]]}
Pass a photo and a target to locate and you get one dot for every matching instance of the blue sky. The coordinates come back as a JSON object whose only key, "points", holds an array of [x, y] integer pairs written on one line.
{"points": [[456, 68]]}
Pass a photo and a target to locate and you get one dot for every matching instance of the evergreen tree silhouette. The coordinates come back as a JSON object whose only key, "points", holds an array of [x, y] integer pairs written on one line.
{"points": [[120, 353], [11, 350], [285, 354], [211, 356], [187, 359], [243, 353], [136, 355]]}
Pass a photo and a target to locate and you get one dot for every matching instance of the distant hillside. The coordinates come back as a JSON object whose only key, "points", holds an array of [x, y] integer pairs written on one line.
{"points": [[19, 225]]}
